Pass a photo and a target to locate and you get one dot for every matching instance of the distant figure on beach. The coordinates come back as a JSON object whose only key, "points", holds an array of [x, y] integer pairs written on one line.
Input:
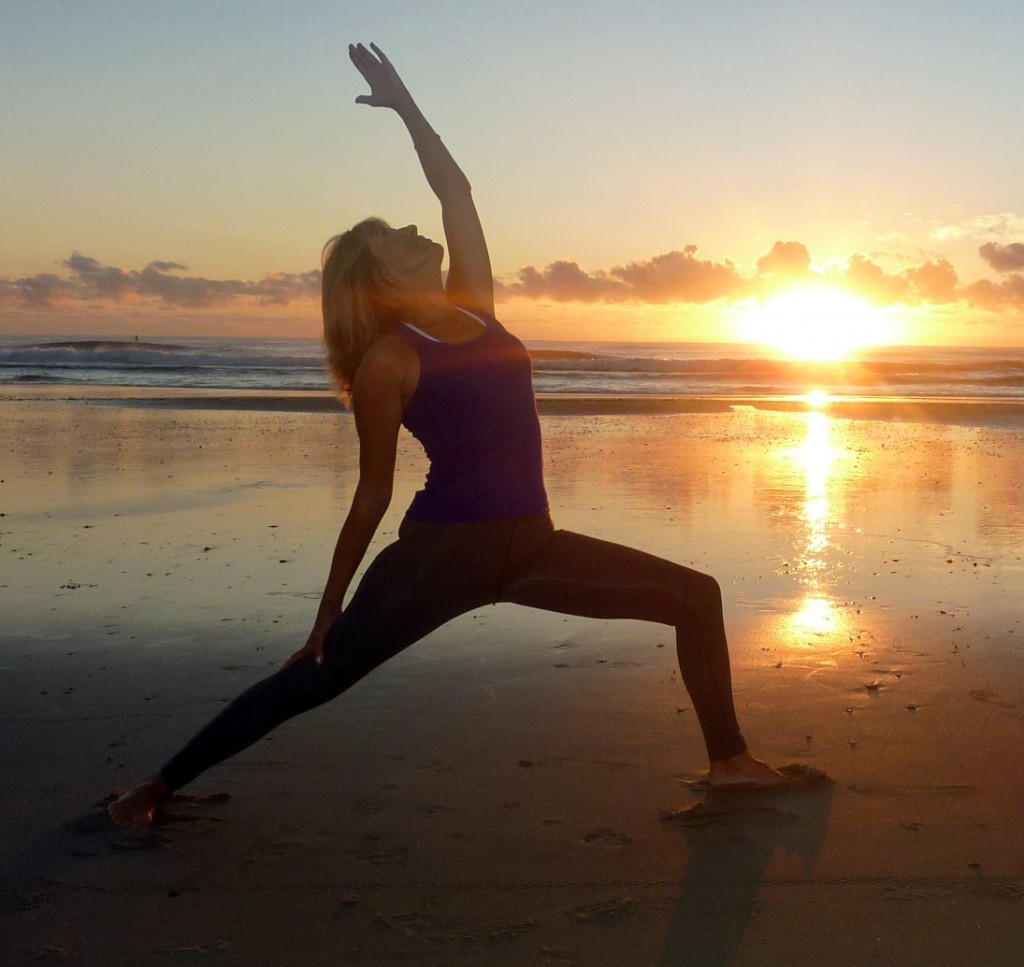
{"points": [[408, 347]]}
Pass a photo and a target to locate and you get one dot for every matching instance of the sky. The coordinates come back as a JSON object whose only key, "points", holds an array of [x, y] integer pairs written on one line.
{"points": [[661, 170]]}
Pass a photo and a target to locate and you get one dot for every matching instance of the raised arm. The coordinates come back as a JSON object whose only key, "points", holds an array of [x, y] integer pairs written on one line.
{"points": [[470, 281]]}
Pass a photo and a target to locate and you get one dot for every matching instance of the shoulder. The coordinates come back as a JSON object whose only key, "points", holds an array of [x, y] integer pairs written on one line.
{"points": [[389, 355], [389, 367]]}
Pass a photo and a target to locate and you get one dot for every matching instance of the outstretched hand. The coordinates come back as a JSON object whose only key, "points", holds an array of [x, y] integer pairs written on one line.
{"points": [[386, 87]]}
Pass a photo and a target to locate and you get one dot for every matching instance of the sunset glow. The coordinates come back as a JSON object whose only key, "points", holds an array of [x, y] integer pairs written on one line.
{"points": [[819, 460], [818, 324], [811, 217]]}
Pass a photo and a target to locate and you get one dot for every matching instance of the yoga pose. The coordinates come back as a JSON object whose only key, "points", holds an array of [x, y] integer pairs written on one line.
{"points": [[407, 347]]}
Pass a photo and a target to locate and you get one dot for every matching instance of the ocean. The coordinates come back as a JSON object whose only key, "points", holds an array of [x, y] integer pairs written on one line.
{"points": [[586, 369]]}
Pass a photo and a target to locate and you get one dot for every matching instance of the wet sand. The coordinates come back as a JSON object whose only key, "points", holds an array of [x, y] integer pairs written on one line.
{"points": [[520, 787]]}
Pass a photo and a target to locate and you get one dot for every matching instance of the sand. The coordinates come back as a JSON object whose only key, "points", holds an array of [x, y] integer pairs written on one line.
{"points": [[519, 788]]}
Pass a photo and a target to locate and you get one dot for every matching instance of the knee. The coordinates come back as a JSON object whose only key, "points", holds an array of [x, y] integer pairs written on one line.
{"points": [[699, 599], [711, 590]]}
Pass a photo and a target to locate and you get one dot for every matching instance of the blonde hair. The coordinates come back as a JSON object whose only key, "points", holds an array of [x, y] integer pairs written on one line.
{"points": [[353, 300]]}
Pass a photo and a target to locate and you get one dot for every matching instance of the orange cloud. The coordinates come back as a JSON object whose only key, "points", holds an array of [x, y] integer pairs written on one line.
{"points": [[872, 281], [986, 294], [786, 260], [1003, 258], [677, 276], [934, 281], [564, 282], [160, 283]]}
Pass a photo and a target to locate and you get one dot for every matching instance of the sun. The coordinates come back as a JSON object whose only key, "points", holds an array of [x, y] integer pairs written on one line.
{"points": [[817, 323]]}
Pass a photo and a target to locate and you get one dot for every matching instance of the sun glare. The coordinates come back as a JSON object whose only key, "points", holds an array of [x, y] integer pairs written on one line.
{"points": [[817, 323]]}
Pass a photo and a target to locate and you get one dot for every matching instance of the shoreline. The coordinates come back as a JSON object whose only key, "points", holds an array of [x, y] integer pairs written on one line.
{"points": [[982, 411]]}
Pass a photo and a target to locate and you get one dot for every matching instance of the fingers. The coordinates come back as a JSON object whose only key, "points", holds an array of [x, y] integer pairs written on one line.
{"points": [[367, 65], [315, 646], [307, 649], [362, 58], [365, 61]]}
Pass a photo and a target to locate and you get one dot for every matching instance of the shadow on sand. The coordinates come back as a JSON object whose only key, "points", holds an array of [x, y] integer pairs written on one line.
{"points": [[732, 836]]}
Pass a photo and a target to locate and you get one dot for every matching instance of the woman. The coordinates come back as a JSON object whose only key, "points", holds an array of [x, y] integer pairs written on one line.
{"points": [[407, 348]]}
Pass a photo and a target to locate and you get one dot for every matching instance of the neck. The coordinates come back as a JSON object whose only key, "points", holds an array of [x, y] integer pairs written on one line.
{"points": [[429, 309]]}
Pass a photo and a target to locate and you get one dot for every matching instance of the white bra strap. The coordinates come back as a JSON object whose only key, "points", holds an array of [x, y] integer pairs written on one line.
{"points": [[421, 332], [427, 335], [472, 315]]}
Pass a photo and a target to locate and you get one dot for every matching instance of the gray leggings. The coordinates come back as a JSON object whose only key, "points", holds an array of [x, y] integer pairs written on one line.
{"points": [[435, 572]]}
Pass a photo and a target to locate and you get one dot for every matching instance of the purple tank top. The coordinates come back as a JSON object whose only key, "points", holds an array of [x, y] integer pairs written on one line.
{"points": [[474, 413]]}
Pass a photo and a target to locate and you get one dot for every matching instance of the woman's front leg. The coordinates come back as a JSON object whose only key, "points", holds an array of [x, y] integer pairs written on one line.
{"points": [[575, 574]]}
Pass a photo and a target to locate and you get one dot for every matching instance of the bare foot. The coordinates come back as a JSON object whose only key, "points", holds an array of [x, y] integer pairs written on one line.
{"points": [[137, 806], [743, 770]]}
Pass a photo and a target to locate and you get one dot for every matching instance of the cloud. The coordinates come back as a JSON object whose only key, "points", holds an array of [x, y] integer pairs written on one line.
{"points": [[36, 291], [934, 281], [167, 266], [159, 282], [786, 260], [105, 281], [677, 276], [564, 282], [986, 294], [1003, 258], [1000, 225], [870, 280]]}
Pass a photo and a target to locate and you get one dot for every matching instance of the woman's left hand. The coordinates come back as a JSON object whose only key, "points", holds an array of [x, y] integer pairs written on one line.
{"points": [[314, 646], [386, 87]]}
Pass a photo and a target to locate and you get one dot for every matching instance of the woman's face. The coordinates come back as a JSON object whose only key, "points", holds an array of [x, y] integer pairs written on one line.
{"points": [[407, 258]]}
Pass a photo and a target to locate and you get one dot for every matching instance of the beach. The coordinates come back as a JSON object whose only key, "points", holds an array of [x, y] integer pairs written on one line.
{"points": [[520, 787]]}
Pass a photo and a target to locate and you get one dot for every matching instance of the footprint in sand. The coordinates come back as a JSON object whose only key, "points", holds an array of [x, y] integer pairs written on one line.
{"points": [[435, 765], [991, 696], [611, 909], [119, 840], [381, 854], [607, 837], [201, 949], [556, 954], [736, 813]]}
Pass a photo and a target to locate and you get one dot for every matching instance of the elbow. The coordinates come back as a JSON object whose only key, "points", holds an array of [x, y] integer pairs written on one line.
{"points": [[370, 504], [374, 507], [454, 187]]}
